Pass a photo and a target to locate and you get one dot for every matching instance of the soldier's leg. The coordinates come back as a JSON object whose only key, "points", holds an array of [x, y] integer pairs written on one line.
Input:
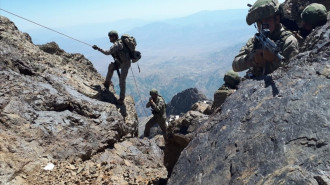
{"points": [[162, 123], [148, 126], [122, 80], [111, 68]]}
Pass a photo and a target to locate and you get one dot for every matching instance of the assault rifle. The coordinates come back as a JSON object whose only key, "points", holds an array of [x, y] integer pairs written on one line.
{"points": [[117, 68], [116, 64], [266, 43]]}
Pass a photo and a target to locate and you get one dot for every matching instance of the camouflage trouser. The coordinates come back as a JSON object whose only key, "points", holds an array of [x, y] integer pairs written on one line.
{"points": [[155, 119], [123, 74]]}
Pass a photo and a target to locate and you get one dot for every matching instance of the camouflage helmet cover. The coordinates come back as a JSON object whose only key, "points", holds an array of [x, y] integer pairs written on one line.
{"points": [[314, 14], [232, 78], [113, 33], [153, 91], [262, 9]]}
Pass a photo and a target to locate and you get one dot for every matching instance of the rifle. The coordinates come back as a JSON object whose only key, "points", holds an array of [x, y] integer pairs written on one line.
{"points": [[116, 64], [117, 69], [263, 39]]}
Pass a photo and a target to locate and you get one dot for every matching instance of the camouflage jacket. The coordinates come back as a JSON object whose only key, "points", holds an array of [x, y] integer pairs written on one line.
{"points": [[245, 59], [158, 107], [118, 52]]}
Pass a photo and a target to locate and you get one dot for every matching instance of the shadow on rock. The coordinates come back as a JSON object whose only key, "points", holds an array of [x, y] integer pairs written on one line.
{"points": [[103, 94], [270, 82]]}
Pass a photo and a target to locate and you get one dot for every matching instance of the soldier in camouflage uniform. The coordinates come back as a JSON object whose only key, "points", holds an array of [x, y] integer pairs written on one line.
{"points": [[122, 61], [158, 106], [313, 15], [231, 80], [252, 56]]}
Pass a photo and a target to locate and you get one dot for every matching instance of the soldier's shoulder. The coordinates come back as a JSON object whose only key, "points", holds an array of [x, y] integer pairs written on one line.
{"points": [[286, 34], [161, 99], [288, 37], [250, 42], [252, 39]]}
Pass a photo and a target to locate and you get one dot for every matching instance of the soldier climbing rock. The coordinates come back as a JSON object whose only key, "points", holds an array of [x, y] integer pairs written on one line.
{"points": [[121, 61], [313, 15], [261, 61], [158, 106], [231, 79]]}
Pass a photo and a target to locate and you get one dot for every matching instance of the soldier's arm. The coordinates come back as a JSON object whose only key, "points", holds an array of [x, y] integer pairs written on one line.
{"points": [[245, 58], [159, 106], [290, 48], [114, 48], [106, 52]]}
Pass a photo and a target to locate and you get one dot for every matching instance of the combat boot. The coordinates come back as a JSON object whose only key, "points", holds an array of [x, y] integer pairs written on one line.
{"points": [[107, 84], [120, 101]]}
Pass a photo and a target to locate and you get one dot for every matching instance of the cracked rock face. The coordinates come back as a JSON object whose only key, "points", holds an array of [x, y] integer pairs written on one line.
{"points": [[179, 133], [272, 130], [54, 109]]}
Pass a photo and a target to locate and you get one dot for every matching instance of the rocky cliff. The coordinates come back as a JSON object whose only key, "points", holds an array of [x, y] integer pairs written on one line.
{"points": [[272, 130], [182, 102], [54, 110]]}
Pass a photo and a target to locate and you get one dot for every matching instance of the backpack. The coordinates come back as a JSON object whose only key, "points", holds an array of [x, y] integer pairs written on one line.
{"points": [[130, 44]]}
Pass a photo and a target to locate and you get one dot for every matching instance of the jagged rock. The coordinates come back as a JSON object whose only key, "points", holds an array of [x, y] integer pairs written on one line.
{"points": [[51, 48], [182, 102], [272, 130], [179, 133], [292, 10], [122, 164], [202, 107], [54, 108]]}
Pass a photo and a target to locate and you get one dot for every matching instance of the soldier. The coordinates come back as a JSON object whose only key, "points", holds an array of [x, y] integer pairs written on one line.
{"points": [[313, 15], [261, 61], [121, 61], [158, 106], [231, 79]]}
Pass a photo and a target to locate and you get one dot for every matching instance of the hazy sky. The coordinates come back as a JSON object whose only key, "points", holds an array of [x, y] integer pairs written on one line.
{"points": [[61, 13]]}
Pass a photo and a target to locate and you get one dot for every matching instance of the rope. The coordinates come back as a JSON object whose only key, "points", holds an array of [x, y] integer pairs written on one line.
{"points": [[78, 41], [138, 66], [46, 27], [145, 112]]}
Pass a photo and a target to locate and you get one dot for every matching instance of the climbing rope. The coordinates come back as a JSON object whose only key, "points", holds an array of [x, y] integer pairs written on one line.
{"points": [[145, 112], [46, 27], [77, 41]]}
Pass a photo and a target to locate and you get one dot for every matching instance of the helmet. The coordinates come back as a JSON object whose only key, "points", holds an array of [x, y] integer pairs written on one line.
{"points": [[113, 33], [262, 9], [153, 91], [232, 78], [314, 14]]}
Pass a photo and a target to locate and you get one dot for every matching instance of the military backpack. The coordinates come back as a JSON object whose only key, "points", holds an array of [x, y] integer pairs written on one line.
{"points": [[130, 44]]}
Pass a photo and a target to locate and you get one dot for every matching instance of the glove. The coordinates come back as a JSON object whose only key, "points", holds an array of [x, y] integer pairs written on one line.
{"points": [[95, 47]]}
